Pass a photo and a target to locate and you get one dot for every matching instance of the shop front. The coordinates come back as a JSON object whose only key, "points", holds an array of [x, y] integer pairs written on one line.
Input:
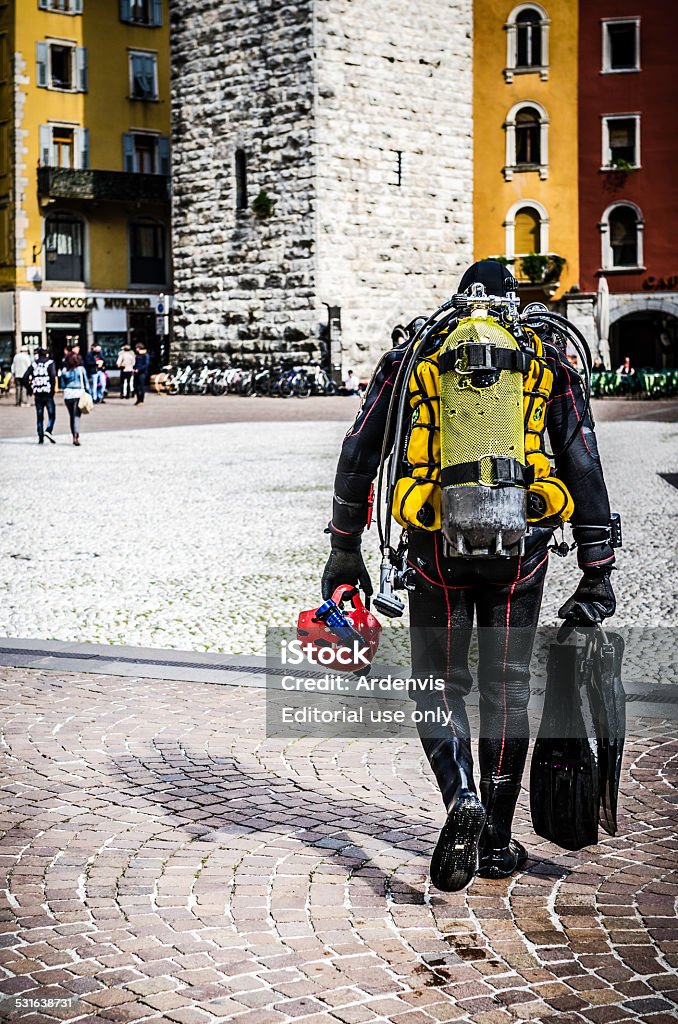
{"points": [[58, 320]]}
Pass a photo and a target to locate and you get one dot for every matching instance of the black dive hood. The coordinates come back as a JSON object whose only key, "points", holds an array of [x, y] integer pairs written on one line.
{"points": [[497, 278]]}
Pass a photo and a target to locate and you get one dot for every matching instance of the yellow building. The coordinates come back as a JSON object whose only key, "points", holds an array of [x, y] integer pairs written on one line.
{"points": [[84, 174], [525, 139]]}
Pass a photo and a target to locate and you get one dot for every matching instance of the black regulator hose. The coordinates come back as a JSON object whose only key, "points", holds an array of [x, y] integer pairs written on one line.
{"points": [[398, 399], [582, 346]]}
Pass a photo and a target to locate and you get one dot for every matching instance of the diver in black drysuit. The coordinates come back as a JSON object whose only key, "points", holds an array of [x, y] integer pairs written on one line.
{"points": [[503, 593]]}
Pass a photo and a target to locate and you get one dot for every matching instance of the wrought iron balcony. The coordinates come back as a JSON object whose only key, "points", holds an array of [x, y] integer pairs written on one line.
{"points": [[108, 186]]}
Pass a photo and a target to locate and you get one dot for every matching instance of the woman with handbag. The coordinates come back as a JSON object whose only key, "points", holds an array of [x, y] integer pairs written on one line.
{"points": [[77, 394]]}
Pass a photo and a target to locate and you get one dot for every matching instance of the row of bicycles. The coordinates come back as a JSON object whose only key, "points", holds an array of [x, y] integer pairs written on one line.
{"points": [[645, 383], [275, 381]]}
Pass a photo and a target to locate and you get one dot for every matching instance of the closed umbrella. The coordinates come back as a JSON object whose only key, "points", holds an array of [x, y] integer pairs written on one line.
{"points": [[603, 320]]}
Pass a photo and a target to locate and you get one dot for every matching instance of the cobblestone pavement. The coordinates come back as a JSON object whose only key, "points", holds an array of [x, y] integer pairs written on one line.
{"points": [[164, 861], [197, 537]]}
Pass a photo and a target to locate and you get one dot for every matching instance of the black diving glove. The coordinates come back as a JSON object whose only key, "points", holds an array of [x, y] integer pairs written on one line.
{"points": [[345, 566], [592, 601]]}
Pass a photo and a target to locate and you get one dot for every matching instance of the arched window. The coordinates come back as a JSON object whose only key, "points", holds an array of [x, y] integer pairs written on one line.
{"points": [[64, 248], [147, 251], [527, 139], [622, 229], [527, 41], [527, 229]]}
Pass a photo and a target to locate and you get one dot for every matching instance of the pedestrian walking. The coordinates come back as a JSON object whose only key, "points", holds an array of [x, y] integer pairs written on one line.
{"points": [[458, 553], [20, 364], [98, 378], [141, 364], [40, 381], [125, 363], [75, 384]]}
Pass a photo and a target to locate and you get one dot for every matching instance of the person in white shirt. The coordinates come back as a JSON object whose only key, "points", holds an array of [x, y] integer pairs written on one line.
{"points": [[20, 364]]}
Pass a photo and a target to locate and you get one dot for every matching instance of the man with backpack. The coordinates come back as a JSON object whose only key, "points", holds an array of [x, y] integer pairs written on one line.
{"points": [[40, 381], [479, 501]]}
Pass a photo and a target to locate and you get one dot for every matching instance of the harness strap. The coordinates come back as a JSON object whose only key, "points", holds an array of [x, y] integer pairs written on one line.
{"points": [[483, 356], [507, 472]]}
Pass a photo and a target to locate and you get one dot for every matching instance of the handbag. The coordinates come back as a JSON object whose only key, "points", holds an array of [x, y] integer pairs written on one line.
{"points": [[85, 402], [576, 762]]}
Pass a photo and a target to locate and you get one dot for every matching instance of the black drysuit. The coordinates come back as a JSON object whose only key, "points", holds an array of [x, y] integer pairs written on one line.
{"points": [[502, 593]]}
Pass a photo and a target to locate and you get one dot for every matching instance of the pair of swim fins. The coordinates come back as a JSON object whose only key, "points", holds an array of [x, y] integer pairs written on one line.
{"points": [[577, 758]]}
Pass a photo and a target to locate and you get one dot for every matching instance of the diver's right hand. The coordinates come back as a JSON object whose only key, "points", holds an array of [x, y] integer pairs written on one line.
{"points": [[345, 567]]}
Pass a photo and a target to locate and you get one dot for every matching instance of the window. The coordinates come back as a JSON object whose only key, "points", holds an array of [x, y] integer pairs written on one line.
{"points": [[64, 243], [527, 40], [526, 128], [64, 145], [622, 230], [147, 252], [527, 229], [144, 153], [141, 12], [61, 65], [621, 141], [240, 179], [61, 6], [143, 74], [621, 45]]}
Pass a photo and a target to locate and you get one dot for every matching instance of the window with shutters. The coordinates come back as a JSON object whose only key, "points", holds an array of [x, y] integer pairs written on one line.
{"points": [[621, 45], [61, 6], [527, 38], [141, 12], [621, 142], [143, 75], [64, 145], [64, 241], [62, 66], [527, 229], [526, 127], [146, 153], [148, 262], [622, 230]]}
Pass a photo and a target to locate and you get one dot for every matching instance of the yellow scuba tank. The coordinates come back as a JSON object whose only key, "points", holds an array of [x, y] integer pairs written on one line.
{"points": [[482, 425], [482, 440]]}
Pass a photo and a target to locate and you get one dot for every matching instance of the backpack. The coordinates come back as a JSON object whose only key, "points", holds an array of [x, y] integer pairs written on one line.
{"points": [[490, 478]]}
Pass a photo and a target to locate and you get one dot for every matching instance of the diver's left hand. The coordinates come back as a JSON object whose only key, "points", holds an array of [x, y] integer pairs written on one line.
{"points": [[592, 601]]}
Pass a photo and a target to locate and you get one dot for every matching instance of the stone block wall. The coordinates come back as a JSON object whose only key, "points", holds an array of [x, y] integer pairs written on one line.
{"points": [[242, 79], [394, 161], [356, 119]]}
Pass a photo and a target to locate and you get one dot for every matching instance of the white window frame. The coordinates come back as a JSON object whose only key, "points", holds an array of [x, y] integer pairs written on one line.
{"points": [[606, 249], [511, 29], [605, 42], [510, 228], [136, 52], [75, 7], [80, 144], [510, 167], [606, 152], [78, 64]]}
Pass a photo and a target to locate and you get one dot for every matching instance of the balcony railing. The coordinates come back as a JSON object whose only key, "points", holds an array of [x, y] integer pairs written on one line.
{"points": [[112, 186]]}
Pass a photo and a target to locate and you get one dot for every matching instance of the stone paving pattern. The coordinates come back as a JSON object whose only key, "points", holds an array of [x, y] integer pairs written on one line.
{"points": [[198, 537], [165, 862]]}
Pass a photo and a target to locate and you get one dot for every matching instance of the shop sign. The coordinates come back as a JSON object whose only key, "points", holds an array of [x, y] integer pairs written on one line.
{"points": [[669, 284], [87, 302]]}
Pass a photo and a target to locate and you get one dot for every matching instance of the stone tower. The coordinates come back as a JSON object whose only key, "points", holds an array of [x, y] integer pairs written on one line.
{"points": [[322, 171]]}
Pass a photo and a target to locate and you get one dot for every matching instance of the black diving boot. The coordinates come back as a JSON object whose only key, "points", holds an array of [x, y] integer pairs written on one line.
{"points": [[500, 855], [455, 858]]}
